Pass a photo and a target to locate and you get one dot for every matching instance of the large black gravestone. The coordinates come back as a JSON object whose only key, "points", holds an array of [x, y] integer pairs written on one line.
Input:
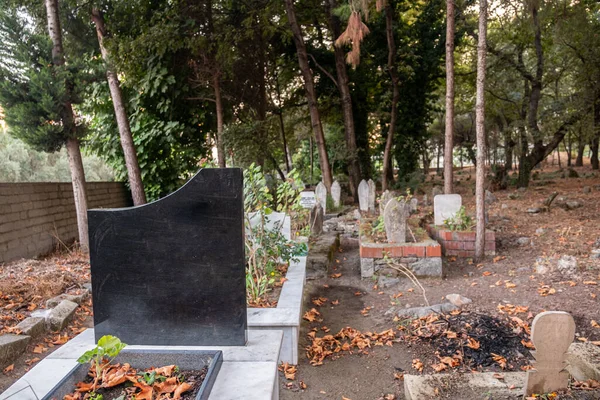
{"points": [[172, 272]]}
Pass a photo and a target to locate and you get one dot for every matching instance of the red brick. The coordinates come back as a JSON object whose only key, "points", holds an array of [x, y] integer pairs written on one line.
{"points": [[446, 235], [490, 245], [451, 252], [395, 251], [466, 253], [414, 251], [490, 235], [464, 236], [371, 252], [469, 245], [434, 251], [454, 245]]}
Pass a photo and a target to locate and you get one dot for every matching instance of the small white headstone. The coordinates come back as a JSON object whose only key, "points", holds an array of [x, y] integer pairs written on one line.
{"points": [[552, 332], [275, 221], [316, 220], [363, 195], [336, 193], [394, 219], [371, 195], [445, 206], [321, 194], [308, 199], [414, 205]]}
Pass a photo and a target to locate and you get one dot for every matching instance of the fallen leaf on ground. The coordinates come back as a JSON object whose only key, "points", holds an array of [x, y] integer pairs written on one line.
{"points": [[335, 302], [472, 343], [335, 276], [501, 361], [595, 324], [39, 349], [417, 364], [289, 371], [398, 375], [9, 368], [590, 282]]}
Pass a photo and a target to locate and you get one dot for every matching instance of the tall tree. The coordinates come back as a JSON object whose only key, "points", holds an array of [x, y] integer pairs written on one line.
{"points": [[131, 161], [388, 174], [311, 94], [449, 132], [480, 128], [68, 119], [354, 174]]}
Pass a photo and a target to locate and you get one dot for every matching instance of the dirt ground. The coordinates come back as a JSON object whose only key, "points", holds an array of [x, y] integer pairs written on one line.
{"points": [[25, 285], [376, 373]]}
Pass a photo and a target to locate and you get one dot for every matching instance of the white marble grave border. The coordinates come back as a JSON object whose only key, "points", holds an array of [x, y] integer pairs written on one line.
{"points": [[287, 315], [248, 372]]}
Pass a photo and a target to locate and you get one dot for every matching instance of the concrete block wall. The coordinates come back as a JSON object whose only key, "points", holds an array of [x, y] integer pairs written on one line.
{"points": [[32, 215]]}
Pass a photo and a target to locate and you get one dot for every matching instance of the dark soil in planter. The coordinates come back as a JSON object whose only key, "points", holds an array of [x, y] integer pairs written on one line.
{"points": [[272, 296], [193, 377]]}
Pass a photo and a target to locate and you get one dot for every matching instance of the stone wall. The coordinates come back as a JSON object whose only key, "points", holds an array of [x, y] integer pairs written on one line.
{"points": [[33, 215]]}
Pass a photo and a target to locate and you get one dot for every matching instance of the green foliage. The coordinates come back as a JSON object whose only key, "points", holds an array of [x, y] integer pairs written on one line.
{"points": [[288, 193], [102, 355], [460, 222], [266, 248], [379, 225], [33, 91]]}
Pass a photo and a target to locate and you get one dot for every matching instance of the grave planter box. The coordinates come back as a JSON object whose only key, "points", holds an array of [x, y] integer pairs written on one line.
{"points": [[287, 315], [461, 243], [423, 258], [143, 359]]}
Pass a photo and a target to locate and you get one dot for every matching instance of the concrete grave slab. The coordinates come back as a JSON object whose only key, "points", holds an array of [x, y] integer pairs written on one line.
{"points": [[423, 387]]}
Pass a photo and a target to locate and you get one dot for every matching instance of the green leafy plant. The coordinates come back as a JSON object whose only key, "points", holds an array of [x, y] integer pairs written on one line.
{"points": [[266, 248], [378, 225], [102, 355], [460, 222]]}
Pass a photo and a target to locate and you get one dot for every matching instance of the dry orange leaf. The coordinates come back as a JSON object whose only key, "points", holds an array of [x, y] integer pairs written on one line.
{"points": [[499, 360], [335, 276], [335, 302], [9, 368], [595, 324], [398, 375], [590, 282], [472, 343], [417, 364], [486, 273], [39, 349]]}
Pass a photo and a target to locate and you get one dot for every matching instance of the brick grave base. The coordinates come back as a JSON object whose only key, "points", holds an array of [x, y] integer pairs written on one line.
{"points": [[461, 243], [424, 258]]}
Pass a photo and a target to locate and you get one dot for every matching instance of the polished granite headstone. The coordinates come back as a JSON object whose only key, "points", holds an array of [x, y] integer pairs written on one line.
{"points": [[172, 272]]}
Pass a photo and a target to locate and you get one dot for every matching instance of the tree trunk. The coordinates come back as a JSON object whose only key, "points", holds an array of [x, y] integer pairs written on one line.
{"points": [[68, 120], [387, 153], [449, 146], [311, 95], [219, 109], [131, 161], [596, 138], [580, 149], [348, 116], [79, 190], [480, 126]]}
